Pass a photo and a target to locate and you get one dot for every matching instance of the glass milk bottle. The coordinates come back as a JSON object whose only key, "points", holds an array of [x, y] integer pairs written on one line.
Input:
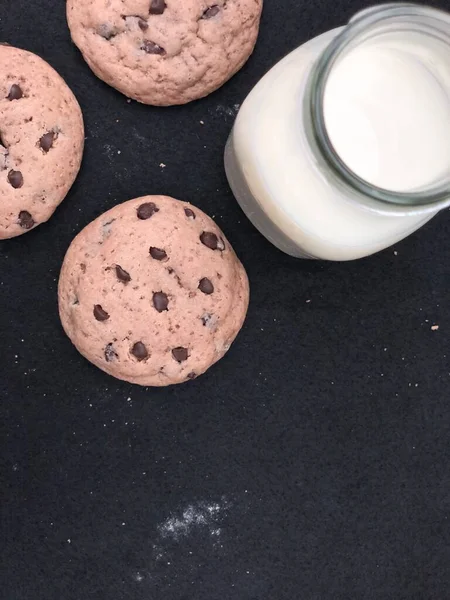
{"points": [[343, 148]]}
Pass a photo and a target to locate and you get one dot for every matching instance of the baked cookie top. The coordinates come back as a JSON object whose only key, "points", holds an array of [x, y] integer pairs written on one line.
{"points": [[152, 292], [165, 52], [41, 140]]}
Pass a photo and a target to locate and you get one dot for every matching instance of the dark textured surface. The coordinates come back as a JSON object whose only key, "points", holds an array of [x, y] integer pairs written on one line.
{"points": [[312, 463]]}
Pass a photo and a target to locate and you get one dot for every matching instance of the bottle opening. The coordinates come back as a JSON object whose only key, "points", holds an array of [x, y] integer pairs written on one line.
{"points": [[381, 104]]}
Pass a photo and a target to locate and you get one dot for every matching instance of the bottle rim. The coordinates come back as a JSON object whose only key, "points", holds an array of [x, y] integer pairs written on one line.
{"points": [[432, 20]]}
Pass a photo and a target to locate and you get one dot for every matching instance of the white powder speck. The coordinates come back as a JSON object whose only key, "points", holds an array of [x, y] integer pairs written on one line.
{"points": [[162, 165], [158, 552], [434, 327], [204, 515], [224, 110]]}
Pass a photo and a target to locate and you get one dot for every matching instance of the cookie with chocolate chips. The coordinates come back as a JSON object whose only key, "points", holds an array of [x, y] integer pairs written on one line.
{"points": [[152, 292], [165, 52], [41, 141]]}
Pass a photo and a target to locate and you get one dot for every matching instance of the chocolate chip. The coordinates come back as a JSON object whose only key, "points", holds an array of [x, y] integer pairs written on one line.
{"points": [[147, 210], [157, 7], [189, 213], [110, 353], [139, 351], [206, 286], [157, 253], [211, 240], [143, 25], [152, 48], [4, 154], [122, 275], [46, 141], [15, 178], [192, 375], [15, 93], [100, 314], [106, 230], [211, 12], [25, 220], [107, 31], [160, 301], [180, 354], [207, 319]]}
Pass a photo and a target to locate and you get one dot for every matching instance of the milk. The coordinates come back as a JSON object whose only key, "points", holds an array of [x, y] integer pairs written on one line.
{"points": [[386, 109], [388, 114]]}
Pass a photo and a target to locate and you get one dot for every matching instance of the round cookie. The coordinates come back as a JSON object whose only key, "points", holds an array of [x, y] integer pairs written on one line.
{"points": [[41, 140], [152, 292], [165, 52]]}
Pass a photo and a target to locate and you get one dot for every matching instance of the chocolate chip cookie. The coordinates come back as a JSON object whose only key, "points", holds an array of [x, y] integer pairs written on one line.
{"points": [[41, 141], [165, 52], [152, 292]]}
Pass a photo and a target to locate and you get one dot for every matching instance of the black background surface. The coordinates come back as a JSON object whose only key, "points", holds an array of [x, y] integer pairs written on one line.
{"points": [[320, 443]]}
